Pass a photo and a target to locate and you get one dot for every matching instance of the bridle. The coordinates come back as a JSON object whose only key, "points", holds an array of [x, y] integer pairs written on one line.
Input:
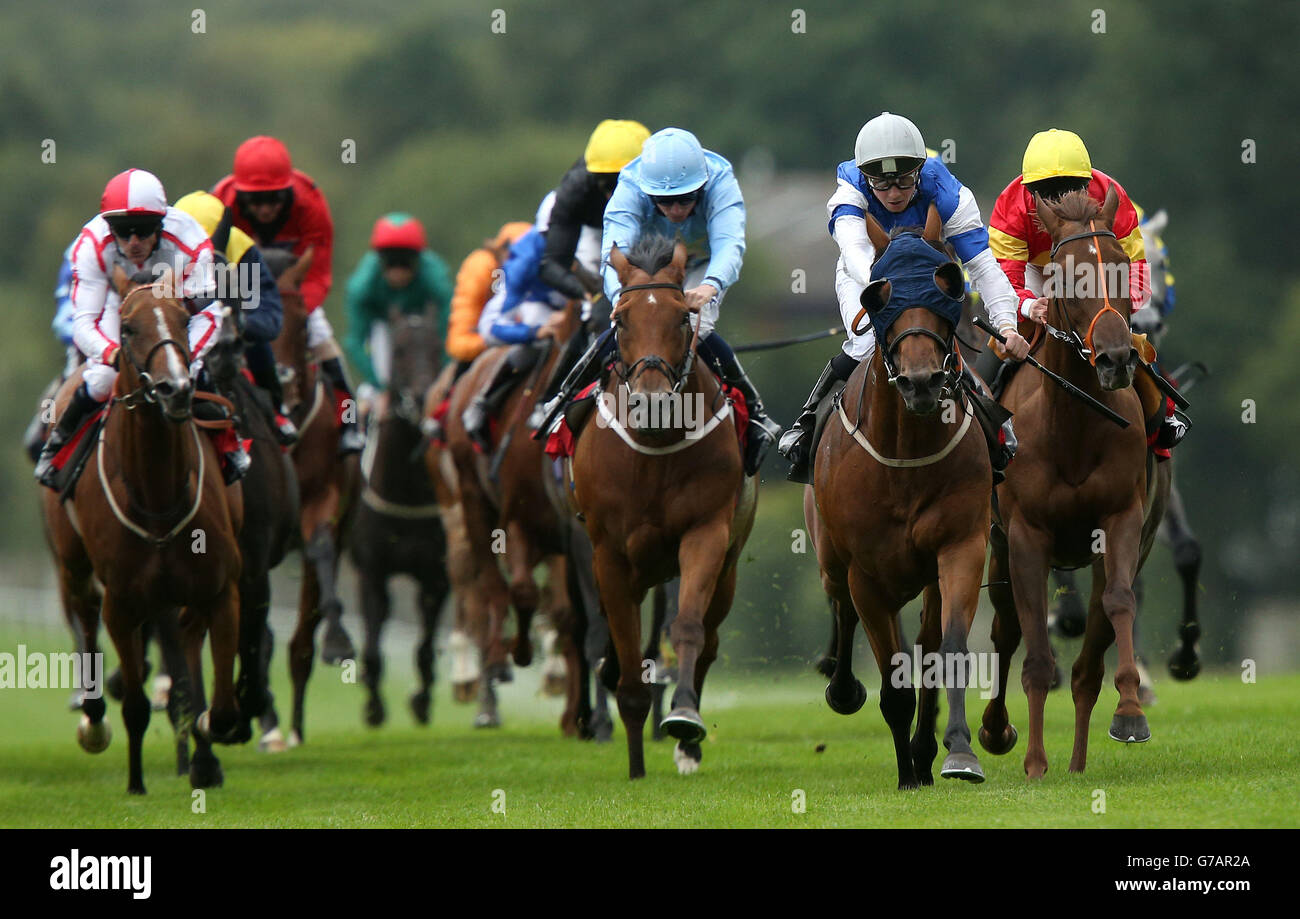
{"points": [[676, 375], [146, 392], [1083, 346], [951, 356]]}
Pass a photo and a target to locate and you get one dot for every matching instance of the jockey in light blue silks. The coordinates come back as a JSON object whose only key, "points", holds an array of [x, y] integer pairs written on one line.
{"points": [[677, 189], [892, 179]]}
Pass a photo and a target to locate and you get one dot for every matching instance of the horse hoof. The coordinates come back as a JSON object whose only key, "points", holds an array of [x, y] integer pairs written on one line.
{"points": [[375, 714], [162, 688], [687, 756], [420, 707], [685, 725], [554, 685], [1003, 745], [1184, 670], [464, 693], [1130, 729], [206, 775], [75, 700], [272, 742], [522, 654], [605, 732], [487, 720], [243, 732], [964, 766], [295, 740], [94, 738], [337, 647], [826, 667], [850, 705]]}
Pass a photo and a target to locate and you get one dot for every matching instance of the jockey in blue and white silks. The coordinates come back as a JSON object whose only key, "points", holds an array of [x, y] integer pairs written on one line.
{"points": [[679, 190], [893, 179]]}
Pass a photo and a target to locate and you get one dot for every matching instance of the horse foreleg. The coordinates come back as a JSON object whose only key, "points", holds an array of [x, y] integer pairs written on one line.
{"points": [[1123, 536], [135, 705], [1027, 550], [1089, 668], [302, 648], [623, 609], [960, 567], [897, 697], [997, 734], [924, 747], [180, 709], [845, 693], [433, 593], [654, 652], [700, 558], [322, 553], [252, 686], [1184, 664], [221, 616], [375, 606], [521, 557]]}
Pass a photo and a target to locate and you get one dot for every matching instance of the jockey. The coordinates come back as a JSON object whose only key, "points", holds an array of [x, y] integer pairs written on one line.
{"points": [[892, 179], [474, 283], [281, 206], [578, 214], [252, 297], [398, 273], [520, 314], [676, 188], [138, 231], [1055, 163]]}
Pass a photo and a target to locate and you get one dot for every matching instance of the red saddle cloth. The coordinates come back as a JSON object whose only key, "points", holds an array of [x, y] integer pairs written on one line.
{"points": [[71, 447], [561, 442]]}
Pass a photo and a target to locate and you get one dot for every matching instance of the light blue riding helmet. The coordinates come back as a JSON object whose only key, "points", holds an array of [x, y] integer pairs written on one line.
{"points": [[672, 163]]}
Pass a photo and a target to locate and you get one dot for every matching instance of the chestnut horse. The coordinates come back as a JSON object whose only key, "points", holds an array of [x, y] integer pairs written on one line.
{"points": [[509, 518], [660, 497], [900, 503], [327, 485], [1081, 491], [151, 520]]}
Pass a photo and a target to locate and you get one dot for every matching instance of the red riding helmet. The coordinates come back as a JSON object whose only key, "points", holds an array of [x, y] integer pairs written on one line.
{"points": [[262, 164], [397, 231]]}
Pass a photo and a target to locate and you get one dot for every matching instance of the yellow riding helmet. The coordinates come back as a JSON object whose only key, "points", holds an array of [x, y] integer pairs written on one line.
{"points": [[614, 144], [203, 207], [1055, 153]]}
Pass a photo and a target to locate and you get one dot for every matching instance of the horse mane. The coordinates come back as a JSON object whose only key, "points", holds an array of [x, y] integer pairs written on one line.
{"points": [[1076, 207], [651, 253]]}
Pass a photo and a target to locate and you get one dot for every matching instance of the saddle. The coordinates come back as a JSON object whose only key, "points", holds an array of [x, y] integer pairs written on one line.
{"points": [[71, 460], [825, 408]]}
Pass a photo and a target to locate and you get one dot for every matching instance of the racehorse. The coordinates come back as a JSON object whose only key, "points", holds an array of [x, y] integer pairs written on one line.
{"points": [[154, 524], [900, 503], [1081, 491], [506, 515], [327, 488], [397, 528], [271, 513], [660, 497]]}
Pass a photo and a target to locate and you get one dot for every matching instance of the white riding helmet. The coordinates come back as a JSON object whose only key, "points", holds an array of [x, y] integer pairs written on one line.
{"points": [[889, 144], [672, 163]]}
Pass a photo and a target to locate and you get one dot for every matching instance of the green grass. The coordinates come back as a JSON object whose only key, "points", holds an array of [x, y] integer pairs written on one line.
{"points": [[1220, 755]]}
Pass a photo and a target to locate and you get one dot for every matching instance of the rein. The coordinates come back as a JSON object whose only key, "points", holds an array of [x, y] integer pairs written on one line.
{"points": [[678, 375], [1084, 346], [122, 518]]}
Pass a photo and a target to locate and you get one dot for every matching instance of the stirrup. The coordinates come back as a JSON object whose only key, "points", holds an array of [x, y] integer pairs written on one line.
{"points": [[351, 440]]}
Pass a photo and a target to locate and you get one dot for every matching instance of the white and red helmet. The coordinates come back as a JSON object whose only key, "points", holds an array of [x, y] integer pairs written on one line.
{"points": [[133, 193]]}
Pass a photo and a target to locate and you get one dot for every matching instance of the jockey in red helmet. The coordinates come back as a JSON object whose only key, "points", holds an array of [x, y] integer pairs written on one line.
{"points": [[282, 207]]}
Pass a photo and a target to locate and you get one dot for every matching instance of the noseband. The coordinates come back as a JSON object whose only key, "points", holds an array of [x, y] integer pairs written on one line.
{"points": [[951, 358], [677, 375], [147, 390], [1084, 345]]}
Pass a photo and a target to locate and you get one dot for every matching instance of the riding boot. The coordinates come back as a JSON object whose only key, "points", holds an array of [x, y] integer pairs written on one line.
{"points": [[796, 442], [763, 431], [351, 440], [585, 372], [235, 460], [1172, 430], [487, 403], [261, 363], [995, 421], [569, 357], [78, 410]]}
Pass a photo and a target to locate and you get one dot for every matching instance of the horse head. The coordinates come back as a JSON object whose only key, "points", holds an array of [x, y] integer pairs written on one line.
{"points": [[154, 363], [653, 331], [920, 288], [1088, 281], [415, 349], [290, 347]]}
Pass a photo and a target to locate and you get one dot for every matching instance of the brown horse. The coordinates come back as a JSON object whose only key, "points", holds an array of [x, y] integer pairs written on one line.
{"points": [[151, 520], [900, 504], [1081, 491], [327, 484], [509, 517], [662, 498]]}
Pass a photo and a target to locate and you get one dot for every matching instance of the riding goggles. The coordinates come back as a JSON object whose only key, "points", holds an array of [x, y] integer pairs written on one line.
{"points": [[904, 181], [140, 227]]}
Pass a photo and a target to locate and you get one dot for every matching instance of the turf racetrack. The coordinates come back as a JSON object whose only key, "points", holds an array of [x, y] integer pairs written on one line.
{"points": [[1220, 756]]}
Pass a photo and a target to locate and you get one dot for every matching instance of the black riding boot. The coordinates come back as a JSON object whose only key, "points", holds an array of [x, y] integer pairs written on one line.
{"points": [[763, 430], [78, 410], [261, 363], [585, 372], [796, 443], [351, 440], [518, 360]]}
